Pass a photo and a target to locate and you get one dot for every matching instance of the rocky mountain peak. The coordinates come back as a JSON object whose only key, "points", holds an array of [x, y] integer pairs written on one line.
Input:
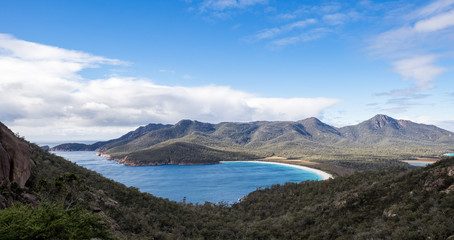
{"points": [[184, 122], [189, 125], [380, 121], [316, 127], [312, 120]]}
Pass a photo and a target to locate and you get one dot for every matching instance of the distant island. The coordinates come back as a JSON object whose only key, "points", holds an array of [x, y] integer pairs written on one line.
{"points": [[381, 138]]}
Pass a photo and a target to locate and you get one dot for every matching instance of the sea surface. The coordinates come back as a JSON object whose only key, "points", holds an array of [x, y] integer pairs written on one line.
{"points": [[225, 182], [419, 164]]}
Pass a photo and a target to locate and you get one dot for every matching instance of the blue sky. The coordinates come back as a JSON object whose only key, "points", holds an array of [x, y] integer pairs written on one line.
{"points": [[93, 70]]}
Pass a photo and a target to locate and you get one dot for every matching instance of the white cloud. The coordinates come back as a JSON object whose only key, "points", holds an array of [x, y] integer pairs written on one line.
{"points": [[335, 19], [288, 109], [424, 37], [273, 32], [433, 8], [286, 16], [329, 7], [267, 33], [419, 30], [131, 101], [33, 51], [286, 41], [393, 43], [42, 96], [309, 23], [94, 106], [435, 23], [419, 68], [303, 37]]}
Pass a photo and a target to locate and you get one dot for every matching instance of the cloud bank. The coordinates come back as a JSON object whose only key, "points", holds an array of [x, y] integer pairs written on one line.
{"points": [[417, 47], [43, 96]]}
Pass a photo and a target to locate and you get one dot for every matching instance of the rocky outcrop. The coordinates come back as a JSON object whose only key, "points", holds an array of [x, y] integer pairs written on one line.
{"points": [[15, 161]]}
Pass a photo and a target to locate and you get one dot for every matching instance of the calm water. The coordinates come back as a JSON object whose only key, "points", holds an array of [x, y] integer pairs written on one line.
{"points": [[225, 182], [419, 164], [449, 154]]}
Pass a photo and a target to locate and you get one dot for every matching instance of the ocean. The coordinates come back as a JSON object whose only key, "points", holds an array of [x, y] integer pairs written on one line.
{"points": [[225, 182]]}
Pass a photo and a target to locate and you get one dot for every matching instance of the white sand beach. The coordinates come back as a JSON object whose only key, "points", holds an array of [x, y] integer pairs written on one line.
{"points": [[321, 173]]}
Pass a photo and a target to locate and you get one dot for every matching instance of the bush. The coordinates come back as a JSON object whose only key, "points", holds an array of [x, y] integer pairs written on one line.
{"points": [[51, 221]]}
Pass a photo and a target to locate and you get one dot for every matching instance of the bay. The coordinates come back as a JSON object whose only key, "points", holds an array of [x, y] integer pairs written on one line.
{"points": [[418, 164], [224, 182]]}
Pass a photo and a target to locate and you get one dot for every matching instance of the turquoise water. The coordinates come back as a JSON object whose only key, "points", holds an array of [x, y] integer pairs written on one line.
{"points": [[225, 182], [449, 154]]}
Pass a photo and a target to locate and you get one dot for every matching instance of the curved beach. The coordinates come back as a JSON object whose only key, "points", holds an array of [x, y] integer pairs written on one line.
{"points": [[322, 174]]}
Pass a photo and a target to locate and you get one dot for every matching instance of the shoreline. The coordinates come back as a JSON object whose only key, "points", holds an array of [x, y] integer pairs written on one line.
{"points": [[419, 161], [422, 160], [322, 174]]}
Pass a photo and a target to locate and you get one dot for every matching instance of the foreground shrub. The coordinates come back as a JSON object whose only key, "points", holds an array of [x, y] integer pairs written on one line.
{"points": [[51, 221]]}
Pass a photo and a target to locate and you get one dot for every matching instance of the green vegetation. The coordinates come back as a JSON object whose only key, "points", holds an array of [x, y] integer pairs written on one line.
{"points": [[386, 204], [51, 221], [182, 153]]}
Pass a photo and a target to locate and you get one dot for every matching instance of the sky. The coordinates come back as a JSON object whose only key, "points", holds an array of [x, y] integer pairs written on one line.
{"points": [[96, 69]]}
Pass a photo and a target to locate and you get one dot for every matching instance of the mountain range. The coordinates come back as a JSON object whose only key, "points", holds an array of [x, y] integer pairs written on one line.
{"points": [[194, 142]]}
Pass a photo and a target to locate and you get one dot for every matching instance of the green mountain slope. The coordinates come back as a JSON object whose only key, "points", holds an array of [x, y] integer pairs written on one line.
{"points": [[381, 127], [181, 153], [387, 204], [380, 137]]}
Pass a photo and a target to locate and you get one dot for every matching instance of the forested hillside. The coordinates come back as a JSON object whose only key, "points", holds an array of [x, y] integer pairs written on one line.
{"points": [[393, 203]]}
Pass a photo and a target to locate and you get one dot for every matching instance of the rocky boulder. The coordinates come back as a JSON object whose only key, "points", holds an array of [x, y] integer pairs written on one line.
{"points": [[15, 161]]}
